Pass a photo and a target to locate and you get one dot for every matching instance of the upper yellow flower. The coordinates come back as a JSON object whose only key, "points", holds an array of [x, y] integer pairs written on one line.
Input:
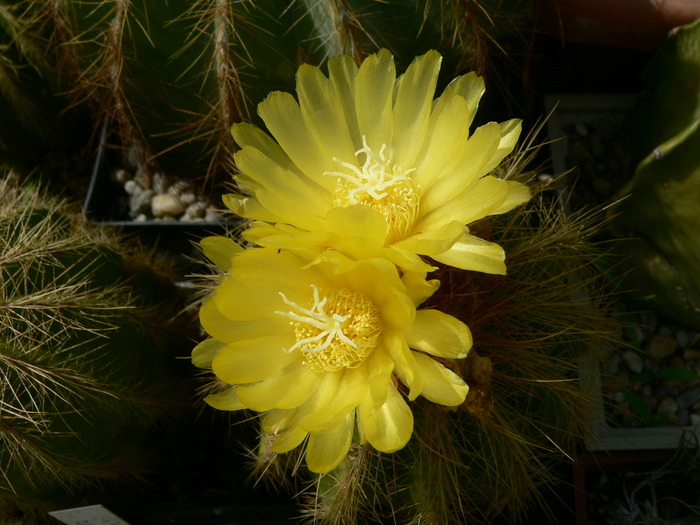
{"points": [[372, 166], [320, 347]]}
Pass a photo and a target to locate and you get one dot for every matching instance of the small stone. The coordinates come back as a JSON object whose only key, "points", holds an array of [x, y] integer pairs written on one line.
{"points": [[140, 202], [661, 346], [142, 217], [213, 215], [647, 390], [691, 353], [159, 183], [619, 397], [684, 338], [667, 406], [689, 398], [178, 187], [120, 176], [143, 179], [196, 209], [695, 420], [187, 198], [167, 204], [634, 361], [132, 188]]}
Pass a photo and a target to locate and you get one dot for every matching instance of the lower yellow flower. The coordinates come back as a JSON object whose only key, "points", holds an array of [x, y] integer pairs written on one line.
{"points": [[320, 348]]}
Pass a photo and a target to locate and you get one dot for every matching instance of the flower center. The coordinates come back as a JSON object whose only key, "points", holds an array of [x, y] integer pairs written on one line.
{"points": [[338, 331], [381, 185]]}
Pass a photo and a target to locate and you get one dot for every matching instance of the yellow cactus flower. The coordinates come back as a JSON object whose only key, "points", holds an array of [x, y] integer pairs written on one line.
{"points": [[320, 347], [372, 166]]}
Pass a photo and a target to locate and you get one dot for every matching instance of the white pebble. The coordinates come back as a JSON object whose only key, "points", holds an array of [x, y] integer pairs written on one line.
{"points": [[213, 215], [667, 406], [187, 198], [196, 209], [140, 202], [634, 361], [159, 183], [121, 176], [167, 204], [132, 188], [177, 187]]}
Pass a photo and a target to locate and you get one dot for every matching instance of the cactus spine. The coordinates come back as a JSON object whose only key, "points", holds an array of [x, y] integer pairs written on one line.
{"points": [[85, 372]]}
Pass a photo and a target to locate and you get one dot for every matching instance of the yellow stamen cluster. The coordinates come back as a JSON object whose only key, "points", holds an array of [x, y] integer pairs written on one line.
{"points": [[381, 185], [339, 330]]}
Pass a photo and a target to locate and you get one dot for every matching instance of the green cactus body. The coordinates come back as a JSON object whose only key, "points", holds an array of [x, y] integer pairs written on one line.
{"points": [[660, 213], [657, 215], [173, 76], [85, 374]]}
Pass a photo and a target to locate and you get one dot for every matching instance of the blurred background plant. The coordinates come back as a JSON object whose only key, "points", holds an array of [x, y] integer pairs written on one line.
{"points": [[90, 389], [657, 215], [169, 78]]}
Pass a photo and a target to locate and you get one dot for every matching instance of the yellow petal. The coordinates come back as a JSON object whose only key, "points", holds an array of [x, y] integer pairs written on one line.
{"points": [[253, 360], [405, 365], [203, 354], [407, 261], [417, 287], [326, 450], [476, 153], [510, 132], [283, 118], [226, 400], [472, 204], [379, 366], [342, 72], [351, 389], [414, 98], [433, 241], [470, 87], [389, 427], [518, 194], [374, 92], [246, 134], [282, 191], [439, 334], [248, 207], [288, 389], [324, 395], [357, 221], [288, 439], [473, 253], [276, 420], [323, 113], [220, 250], [441, 385], [227, 331], [445, 143]]}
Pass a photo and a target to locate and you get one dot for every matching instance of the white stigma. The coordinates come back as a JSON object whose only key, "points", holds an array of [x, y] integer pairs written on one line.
{"points": [[374, 177], [329, 326]]}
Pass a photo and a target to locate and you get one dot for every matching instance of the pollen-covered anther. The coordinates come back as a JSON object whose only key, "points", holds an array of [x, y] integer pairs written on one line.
{"points": [[339, 330], [381, 185]]}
